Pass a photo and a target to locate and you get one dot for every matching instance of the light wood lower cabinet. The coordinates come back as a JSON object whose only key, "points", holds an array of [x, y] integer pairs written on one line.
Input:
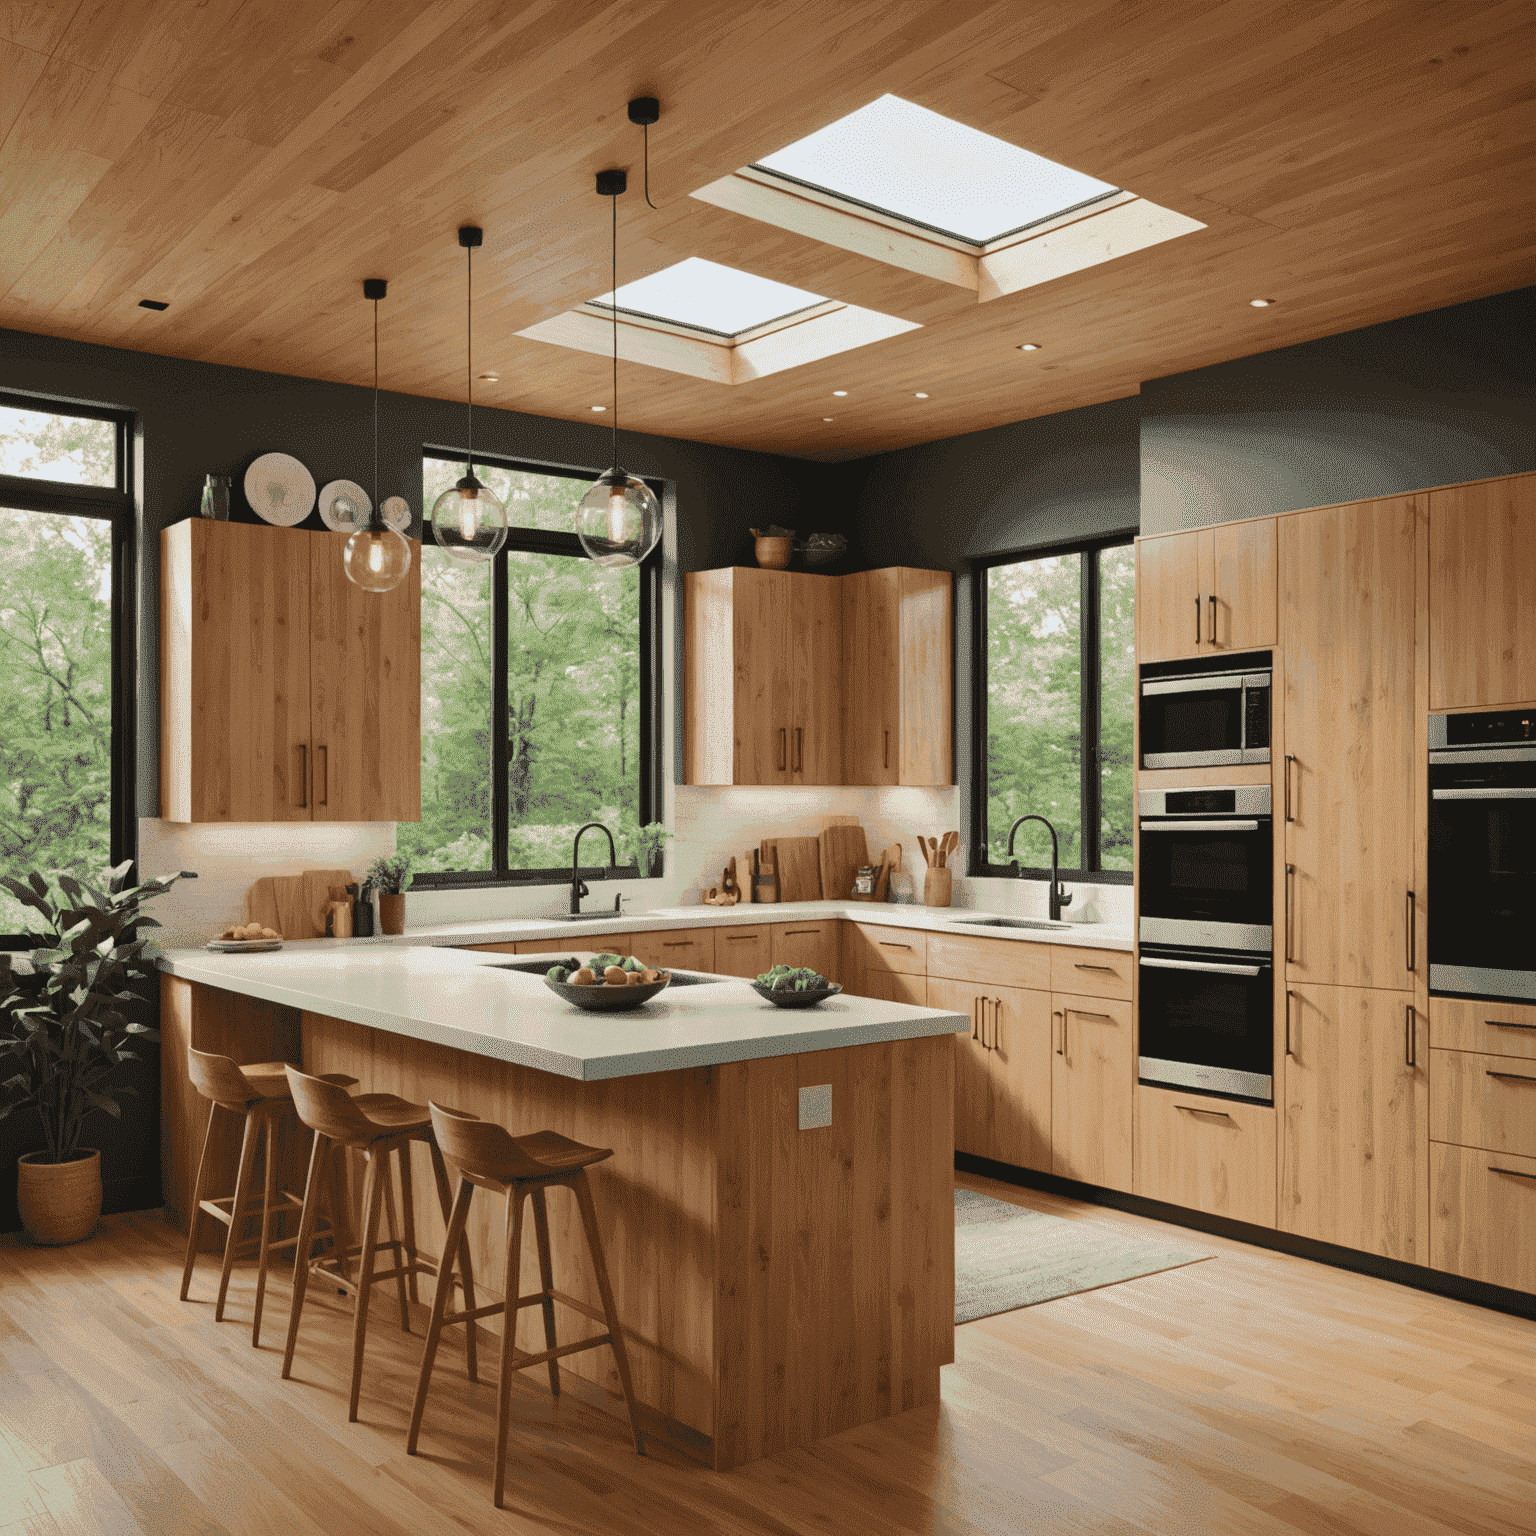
{"points": [[744, 951], [1498, 1029], [1092, 1083], [890, 987], [1483, 1101], [1208, 1154], [871, 948], [1091, 972], [990, 962], [1483, 1215], [673, 949], [815, 945], [1352, 1142]]}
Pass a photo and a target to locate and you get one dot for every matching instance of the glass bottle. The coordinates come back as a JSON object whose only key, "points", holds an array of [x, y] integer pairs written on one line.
{"points": [[216, 498]]}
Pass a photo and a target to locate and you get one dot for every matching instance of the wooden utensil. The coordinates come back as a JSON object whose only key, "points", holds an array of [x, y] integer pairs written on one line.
{"points": [[746, 874], [948, 846], [843, 850], [799, 864]]}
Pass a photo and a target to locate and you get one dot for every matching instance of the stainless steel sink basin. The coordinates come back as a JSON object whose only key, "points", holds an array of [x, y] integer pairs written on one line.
{"points": [[610, 916], [1012, 922]]}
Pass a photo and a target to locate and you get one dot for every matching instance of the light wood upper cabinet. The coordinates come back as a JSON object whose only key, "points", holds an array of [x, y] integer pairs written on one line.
{"points": [[1206, 592], [365, 692], [1482, 572], [1347, 629], [264, 660], [1092, 1083], [1352, 1143], [793, 678]]}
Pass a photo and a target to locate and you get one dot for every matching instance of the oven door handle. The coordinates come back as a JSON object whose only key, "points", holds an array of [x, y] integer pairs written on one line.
{"points": [[1482, 794], [1199, 826], [1201, 965], [1219, 682]]}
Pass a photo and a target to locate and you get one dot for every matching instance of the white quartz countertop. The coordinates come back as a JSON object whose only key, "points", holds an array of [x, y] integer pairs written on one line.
{"points": [[507, 930], [469, 1001]]}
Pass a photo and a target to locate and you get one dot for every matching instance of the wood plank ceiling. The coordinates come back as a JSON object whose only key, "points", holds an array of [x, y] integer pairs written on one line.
{"points": [[251, 161]]}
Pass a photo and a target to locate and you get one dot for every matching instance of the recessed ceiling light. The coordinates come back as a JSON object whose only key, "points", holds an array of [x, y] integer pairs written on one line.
{"points": [[839, 392], [1029, 346], [152, 304], [1261, 303], [826, 418], [920, 396], [599, 407]]}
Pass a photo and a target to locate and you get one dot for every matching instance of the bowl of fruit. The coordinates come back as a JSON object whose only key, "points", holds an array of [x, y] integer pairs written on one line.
{"points": [[606, 983], [793, 986]]}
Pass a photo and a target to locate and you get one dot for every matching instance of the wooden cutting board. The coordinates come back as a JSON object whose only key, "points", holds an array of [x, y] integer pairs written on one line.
{"points": [[295, 904], [799, 860], [843, 850], [746, 874]]}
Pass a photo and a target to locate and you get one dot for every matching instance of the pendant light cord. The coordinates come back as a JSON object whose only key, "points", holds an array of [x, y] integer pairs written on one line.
{"points": [[647, 132], [377, 519], [614, 294], [469, 361]]}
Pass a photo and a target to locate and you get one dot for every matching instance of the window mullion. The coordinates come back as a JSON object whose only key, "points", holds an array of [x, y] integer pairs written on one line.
{"points": [[500, 722], [1089, 678]]}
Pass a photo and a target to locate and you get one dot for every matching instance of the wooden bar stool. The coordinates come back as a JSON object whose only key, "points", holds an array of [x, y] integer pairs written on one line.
{"points": [[375, 1124], [260, 1094], [519, 1166]]}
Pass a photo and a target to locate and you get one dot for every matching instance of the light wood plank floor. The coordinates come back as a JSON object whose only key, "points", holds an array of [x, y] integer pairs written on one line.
{"points": [[1254, 1393]]}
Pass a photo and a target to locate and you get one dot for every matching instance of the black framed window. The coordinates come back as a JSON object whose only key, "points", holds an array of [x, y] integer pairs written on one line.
{"points": [[540, 704], [1054, 648], [67, 748]]}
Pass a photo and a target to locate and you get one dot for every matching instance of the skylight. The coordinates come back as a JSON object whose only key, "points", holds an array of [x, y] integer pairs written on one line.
{"points": [[900, 159], [705, 296]]}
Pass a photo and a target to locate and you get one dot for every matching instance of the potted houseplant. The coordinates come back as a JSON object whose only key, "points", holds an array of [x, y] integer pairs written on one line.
{"points": [[650, 844], [389, 876], [64, 1032]]}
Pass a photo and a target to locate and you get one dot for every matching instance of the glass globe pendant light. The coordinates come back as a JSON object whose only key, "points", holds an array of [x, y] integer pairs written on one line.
{"points": [[377, 556], [468, 519], [619, 520]]}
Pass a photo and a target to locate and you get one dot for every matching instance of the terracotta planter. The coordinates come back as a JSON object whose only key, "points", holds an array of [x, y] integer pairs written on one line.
{"points": [[59, 1202], [773, 554], [392, 912]]}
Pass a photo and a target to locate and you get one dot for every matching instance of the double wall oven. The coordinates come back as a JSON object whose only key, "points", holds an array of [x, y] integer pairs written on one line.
{"points": [[1207, 940]]}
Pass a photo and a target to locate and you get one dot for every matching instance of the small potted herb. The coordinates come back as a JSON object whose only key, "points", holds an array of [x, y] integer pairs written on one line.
{"points": [[64, 1032], [650, 842], [389, 876]]}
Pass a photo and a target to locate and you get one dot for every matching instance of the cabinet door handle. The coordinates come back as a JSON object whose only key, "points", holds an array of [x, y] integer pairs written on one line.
{"points": [[997, 1023], [304, 776], [1197, 618], [1212, 601], [1078, 966], [1061, 1050], [799, 748], [783, 749], [1410, 1023], [1513, 1077], [1290, 869], [1289, 759], [325, 775], [1413, 933], [1288, 996], [887, 760], [1083, 1013], [1514, 1173], [1190, 1109], [975, 1021]]}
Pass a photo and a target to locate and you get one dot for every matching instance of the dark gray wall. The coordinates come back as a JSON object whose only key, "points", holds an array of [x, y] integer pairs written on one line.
{"points": [[1428, 400], [196, 418]]}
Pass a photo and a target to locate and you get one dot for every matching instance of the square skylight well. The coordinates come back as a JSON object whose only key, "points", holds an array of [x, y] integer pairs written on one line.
{"points": [[900, 159], [705, 296]]}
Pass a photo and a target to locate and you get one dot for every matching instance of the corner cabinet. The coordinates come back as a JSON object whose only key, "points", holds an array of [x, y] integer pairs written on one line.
{"points": [[794, 678], [1207, 592], [286, 693]]}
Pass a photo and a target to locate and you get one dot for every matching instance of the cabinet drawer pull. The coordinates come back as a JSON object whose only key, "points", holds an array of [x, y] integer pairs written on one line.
{"points": [[802, 933], [1189, 1109], [1061, 1050], [1513, 1077], [1514, 1173], [891, 944], [737, 938], [1082, 1013], [1500, 1024], [1078, 966], [304, 776], [677, 943]]}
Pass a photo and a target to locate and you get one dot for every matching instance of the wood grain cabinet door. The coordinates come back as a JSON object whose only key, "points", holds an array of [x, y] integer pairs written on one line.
{"points": [[235, 673], [1482, 572], [872, 677], [1017, 1027], [1092, 1086], [1351, 1143], [1238, 561], [365, 681], [816, 686], [1347, 628], [889, 986], [1170, 612], [762, 695], [815, 945], [927, 678], [975, 1078], [743, 951]]}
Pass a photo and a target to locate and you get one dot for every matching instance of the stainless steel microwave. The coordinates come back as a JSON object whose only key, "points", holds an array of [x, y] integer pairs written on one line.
{"points": [[1212, 714]]}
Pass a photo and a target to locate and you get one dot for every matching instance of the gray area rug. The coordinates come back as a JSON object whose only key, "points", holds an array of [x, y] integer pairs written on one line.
{"points": [[1008, 1257]]}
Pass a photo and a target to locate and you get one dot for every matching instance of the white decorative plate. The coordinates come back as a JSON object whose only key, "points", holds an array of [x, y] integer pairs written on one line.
{"points": [[280, 490], [396, 512], [348, 488]]}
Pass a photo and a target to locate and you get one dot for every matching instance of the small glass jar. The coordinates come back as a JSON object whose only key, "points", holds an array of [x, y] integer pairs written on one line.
{"points": [[902, 890], [216, 498]]}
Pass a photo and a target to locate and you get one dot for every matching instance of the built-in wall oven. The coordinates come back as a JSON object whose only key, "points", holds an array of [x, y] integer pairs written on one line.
{"points": [[1206, 983], [1482, 855], [1210, 713]]}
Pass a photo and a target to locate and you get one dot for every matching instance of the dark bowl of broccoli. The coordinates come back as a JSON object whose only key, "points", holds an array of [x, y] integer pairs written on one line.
{"points": [[790, 986]]}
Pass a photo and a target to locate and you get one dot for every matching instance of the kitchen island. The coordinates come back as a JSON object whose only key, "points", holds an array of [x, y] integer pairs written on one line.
{"points": [[776, 1284]]}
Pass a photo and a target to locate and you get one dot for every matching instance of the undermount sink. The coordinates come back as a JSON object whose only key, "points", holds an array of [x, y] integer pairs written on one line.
{"points": [[1012, 922], [610, 916]]}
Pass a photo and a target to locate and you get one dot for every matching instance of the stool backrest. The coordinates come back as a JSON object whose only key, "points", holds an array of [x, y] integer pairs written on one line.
{"points": [[483, 1150], [218, 1078], [327, 1107]]}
